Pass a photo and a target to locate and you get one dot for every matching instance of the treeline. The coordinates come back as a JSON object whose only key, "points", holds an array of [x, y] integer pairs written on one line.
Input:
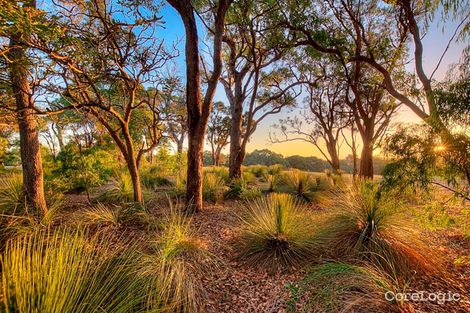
{"points": [[310, 163]]}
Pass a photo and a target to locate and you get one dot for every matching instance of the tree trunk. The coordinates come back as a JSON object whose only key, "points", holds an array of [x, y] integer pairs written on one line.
{"points": [[31, 162], [196, 129], [236, 155], [135, 176], [332, 151], [60, 136], [179, 146], [366, 167]]}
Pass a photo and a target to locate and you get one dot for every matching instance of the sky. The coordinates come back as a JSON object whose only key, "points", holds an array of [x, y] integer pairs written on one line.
{"points": [[434, 42]]}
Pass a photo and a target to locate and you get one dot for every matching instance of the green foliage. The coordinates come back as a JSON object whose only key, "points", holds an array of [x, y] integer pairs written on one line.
{"points": [[81, 170], [213, 187], [257, 170], [434, 216], [121, 190], [339, 287], [220, 171], [368, 224], [419, 156], [12, 200], [300, 184], [130, 214], [152, 179], [310, 164], [68, 272], [264, 157], [275, 233], [175, 267]]}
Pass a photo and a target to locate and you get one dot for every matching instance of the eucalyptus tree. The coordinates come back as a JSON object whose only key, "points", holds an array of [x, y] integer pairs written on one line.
{"points": [[344, 30], [218, 130], [104, 58], [257, 78], [199, 108], [19, 20], [174, 111], [325, 113]]}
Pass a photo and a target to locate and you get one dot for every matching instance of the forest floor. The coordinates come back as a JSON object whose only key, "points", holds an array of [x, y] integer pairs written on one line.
{"points": [[232, 286]]}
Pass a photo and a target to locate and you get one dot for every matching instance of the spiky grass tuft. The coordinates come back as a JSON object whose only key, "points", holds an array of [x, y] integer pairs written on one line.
{"points": [[12, 200], [275, 233], [213, 187], [68, 272], [176, 267], [300, 184], [368, 224], [130, 214]]}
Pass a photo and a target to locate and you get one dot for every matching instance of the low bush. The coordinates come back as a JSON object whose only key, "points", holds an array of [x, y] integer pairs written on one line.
{"points": [[176, 265], [275, 233], [298, 183], [213, 187], [369, 224], [129, 214]]}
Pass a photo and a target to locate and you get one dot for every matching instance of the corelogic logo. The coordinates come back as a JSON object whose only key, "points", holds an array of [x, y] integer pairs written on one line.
{"points": [[439, 297]]}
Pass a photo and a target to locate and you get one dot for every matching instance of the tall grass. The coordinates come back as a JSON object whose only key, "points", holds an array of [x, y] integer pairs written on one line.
{"points": [[213, 187], [275, 233], [176, 266], [122, 190], [12, 200], [68, 272], [369, 224], [220, 171], [129, 214], [16, 217]]}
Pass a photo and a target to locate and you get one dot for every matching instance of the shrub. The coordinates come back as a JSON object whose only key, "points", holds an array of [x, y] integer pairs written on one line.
{"points": [[12, 200], [250, 194], [122, 190], [131, 214], [300, 184], [152, 178], [257, 170], [368, 224], [273, 180], [340, 287], [275, 232], [220, 171], [433, 216], [213, 187], [63, 272], [80, 170], [178, 262]]}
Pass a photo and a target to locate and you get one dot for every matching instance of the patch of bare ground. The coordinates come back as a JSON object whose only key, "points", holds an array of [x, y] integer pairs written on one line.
{"points": [[233, 286]]}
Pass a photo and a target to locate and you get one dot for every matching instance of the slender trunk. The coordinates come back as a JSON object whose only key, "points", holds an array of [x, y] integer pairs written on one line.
{"points": [[132, 165], [60, 136], [179, 146], [194, 173], [332, 151], [135, 177], [31, 162], [366, 167], [236, 155]]}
